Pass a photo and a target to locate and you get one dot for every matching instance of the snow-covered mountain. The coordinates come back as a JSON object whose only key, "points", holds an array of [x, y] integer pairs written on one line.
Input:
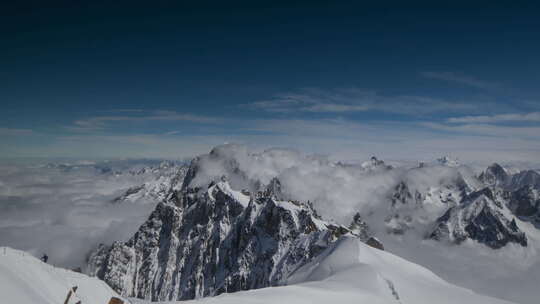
{"points": [[459, 206], [207, 241], [482, 217], [496, 175], [158, 181], [492, 217], [521, 191], [27, 280]]}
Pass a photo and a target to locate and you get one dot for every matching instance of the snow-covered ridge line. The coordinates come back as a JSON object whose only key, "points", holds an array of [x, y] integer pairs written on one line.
{"points": [[25, 279]]}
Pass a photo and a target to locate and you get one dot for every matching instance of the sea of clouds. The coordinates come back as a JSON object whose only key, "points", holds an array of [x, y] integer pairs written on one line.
{"points": [[66, 210]]}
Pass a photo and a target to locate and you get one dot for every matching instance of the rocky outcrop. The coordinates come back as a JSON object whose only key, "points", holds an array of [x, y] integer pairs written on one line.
{"points": [[360, 228], [375, 243]]}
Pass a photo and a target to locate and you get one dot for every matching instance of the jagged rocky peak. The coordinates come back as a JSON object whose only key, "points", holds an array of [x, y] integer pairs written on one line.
{"points": [[222, 160], [401, 194], [494, 175], [480, 216], [210, 240], [448, 161], [274, 189], [375, 164]]}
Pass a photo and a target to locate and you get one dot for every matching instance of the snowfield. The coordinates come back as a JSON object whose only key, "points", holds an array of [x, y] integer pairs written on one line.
{"points": [[348, 272], [352, 272], [27, 280]]}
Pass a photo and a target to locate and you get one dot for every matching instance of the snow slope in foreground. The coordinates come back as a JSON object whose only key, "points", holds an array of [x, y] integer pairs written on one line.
{"points": [[352, 272], [348, 272], [27, 280]]}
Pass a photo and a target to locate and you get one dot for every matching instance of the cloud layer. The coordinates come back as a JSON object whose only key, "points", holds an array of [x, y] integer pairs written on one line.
{"points": [[348, 100], [65, 212], [460, 79]]}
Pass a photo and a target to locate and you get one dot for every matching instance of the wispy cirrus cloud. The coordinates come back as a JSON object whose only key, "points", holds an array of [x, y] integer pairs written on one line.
{"points": [[15, 132], [102, 122], [357, 100], [126, 110], [460, 79], [501, 131], [515, 117]]}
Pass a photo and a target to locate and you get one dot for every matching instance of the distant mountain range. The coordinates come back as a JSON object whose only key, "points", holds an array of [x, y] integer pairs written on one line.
{"points": [[222, 227]]}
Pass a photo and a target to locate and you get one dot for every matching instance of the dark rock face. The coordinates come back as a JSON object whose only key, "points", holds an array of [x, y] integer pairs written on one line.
{"points": [[525, 178], [479, 217], [375, 243], [401, 194], [203, 242], [494, 175], [525, 203]]}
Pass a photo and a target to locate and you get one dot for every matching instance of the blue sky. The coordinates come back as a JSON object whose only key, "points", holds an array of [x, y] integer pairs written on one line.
{"points": [[347, 79]]}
